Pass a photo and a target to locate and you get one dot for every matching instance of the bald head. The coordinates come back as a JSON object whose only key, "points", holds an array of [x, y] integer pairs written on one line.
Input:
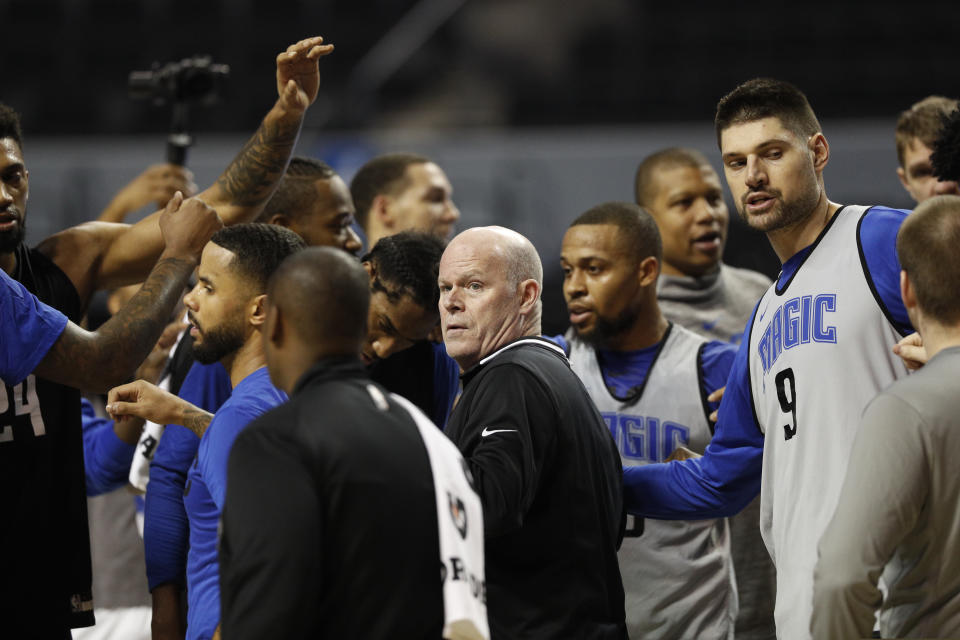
{"points": [[308, 286], [490, 282]]}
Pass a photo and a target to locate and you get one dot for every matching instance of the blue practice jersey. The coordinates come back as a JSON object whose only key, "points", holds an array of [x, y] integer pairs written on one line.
{"points": [[29, 330], [165, 532], [106, 458], [205, 493]]}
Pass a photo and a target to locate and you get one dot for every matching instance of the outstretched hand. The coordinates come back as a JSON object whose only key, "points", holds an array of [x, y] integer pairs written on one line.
{"points": [[144, 400], [298, 73], [187, 225]]}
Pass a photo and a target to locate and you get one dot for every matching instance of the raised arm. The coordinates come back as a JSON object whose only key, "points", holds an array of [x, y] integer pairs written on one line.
{"points": [[100, 255], [96, 361]]}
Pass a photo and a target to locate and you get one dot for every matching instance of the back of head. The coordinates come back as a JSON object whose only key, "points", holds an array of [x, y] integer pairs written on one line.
{"points": [[10, 125], [638, 230], [767, 98], [323, 294], [296, 192], [927, 247], [406, 264], [645, 186], [384, 174], [922, 121], [258, 250]]}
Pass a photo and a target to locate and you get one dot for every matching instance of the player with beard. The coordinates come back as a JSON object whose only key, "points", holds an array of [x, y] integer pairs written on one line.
{"points": [[226, 311], [817, 349], [64, 271], [650, 379]]}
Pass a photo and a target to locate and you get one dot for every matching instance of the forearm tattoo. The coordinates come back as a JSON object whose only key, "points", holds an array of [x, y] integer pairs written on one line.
{"points": [[110, 356], [255, 172], [197, 420]]}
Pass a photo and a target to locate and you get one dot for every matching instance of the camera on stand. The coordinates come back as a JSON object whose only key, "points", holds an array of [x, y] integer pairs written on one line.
{"points": [[195, 80]]}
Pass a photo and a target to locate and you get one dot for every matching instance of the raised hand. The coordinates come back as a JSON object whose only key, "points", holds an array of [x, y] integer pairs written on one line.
{"points": [[187, 226], [298, 73], [156, 184]]}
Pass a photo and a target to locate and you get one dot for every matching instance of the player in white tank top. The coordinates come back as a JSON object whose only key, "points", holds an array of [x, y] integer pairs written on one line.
{"points": [[649, 380], [817, 350]]}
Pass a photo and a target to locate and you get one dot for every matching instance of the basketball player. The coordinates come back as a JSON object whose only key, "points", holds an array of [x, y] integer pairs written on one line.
{"points": [[917, 129], [899, 510], [817, 350], [699, 292], [226, 310], [650, 379], [313, 202]]}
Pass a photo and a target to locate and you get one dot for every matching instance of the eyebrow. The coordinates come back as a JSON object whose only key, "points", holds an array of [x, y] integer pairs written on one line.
{"points": [[766, 143], [393, 329]]}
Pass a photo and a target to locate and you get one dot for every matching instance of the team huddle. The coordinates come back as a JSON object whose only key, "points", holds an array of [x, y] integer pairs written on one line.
{"points": [[703, 454]]}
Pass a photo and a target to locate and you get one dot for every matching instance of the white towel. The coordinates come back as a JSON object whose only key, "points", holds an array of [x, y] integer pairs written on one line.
{"points": [[460, 517]]}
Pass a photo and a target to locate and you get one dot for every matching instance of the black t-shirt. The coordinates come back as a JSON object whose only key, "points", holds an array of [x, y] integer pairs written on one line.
{"points": [[45, 578], [549, 476], [330, 521]]}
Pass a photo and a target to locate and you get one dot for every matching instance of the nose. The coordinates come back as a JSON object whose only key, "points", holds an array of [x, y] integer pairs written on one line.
{"points": [[453, 213], [573, 285], [450, 300], [5, 196], [384, 346], [189, 301], [352, 243], [755, 172]]}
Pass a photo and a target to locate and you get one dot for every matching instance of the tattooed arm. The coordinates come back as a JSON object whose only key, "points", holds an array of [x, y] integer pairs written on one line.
{"points": [[99, 255], [142, 399], [96, 361]]}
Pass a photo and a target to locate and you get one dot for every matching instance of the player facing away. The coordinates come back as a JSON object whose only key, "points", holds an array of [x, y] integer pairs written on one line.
{"points": [[817, 350], [650, 379]]}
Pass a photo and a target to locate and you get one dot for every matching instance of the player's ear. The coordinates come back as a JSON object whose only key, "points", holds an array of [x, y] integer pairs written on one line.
{"points": [[273, 326], [279, 219], [382, 210], [820, 149], [648, 270], [907, 292], [258, 310], [529, 295]]}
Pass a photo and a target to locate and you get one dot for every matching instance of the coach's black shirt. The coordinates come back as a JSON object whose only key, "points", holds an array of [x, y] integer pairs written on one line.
{"points": [[549, 476], [330, 521], [45, 577]]}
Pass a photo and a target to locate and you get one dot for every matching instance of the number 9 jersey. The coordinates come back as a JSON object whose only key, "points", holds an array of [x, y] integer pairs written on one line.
{"points": [[819, 350]]}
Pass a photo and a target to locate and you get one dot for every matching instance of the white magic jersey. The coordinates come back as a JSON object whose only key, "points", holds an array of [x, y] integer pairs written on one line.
{"points": [[820, 350], [678, 575]]}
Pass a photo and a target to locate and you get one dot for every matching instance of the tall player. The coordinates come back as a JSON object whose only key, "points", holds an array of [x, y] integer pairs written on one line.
{"points": [[650, 379], [817, 350]]}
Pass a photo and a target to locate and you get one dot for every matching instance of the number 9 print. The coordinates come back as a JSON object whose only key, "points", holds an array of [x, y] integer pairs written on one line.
{"points": [[788, 404]]}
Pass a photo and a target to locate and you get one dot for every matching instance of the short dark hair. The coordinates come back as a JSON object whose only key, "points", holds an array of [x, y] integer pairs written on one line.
{"points": [[258, 249], [922, 121], [296, 191], [927, 247], [383, 174], [664, 159], [638, 230], [10, 125], [767, 98], [946, 149], [308, 284], [408, 263]]}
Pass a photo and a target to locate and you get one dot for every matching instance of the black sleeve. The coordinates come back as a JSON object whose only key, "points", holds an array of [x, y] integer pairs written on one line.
{"points": [[510, 421], [270, 543]]}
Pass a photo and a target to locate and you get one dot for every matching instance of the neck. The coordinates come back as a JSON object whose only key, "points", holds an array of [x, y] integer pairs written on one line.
{"points": [[937, 337], [374, 232], [8, 262], [245, 360], [668, 269], [786, 242], [648, 329]]}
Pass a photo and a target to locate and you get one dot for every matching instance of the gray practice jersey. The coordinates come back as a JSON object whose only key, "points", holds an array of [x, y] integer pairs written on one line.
{"points": [[820, 350], [899, 509], [677, 575]]}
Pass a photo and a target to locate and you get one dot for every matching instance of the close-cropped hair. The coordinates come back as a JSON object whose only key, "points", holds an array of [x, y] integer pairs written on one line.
{"points": [[927, 247], [297, 191], [407, 264], [922, 121], [644, 183], [10, 125], [258, 250], [767, 98], [638, 230], [386, 174]]}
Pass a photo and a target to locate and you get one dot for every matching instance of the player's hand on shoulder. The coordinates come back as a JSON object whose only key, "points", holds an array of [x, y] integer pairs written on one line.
{"points": [[682, 453], [716, 396], [298, 73], [187, 226], [911, 351]]}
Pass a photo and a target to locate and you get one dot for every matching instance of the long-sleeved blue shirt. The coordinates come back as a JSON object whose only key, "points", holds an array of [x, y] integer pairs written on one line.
{"points": [[106, 458], [165, 533]]}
